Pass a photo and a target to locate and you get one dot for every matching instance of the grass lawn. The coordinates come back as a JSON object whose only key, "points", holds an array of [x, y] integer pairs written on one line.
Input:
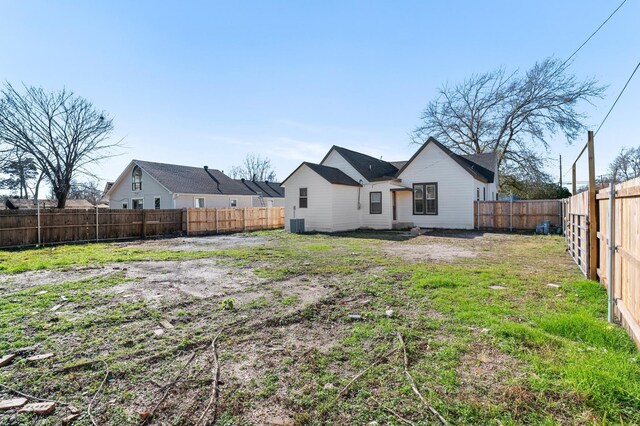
{"points": [[499, 329]]}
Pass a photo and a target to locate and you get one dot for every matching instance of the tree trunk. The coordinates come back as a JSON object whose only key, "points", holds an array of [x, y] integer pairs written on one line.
{"points": [[61, 196]]}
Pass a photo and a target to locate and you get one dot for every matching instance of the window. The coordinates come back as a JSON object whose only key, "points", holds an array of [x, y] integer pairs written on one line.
{"points": [[198, 203], [478, 194], [137, 203], [136, 179], [233, 203], [303, 202], [125, 206], [375, 203], [425, 198], [484, 194], [156, 203]]}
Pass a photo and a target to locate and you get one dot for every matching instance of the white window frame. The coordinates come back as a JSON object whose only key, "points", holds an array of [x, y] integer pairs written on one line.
{"points": [[136, 179], [196, 203], [141, 200], [304, 197], [159, 199]]}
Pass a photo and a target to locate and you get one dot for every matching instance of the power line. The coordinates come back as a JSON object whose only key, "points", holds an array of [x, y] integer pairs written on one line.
{"points": [[616, 101], [593, 33]]}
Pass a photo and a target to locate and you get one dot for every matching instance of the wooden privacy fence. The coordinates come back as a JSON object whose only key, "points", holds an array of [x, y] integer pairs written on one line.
{"points": [[618, 265], [208, 221], [19, 228], [615, 257], [576, 229], [53, 226], [516, 215]]}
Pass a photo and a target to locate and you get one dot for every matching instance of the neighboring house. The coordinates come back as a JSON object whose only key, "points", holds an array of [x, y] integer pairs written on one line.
{"points": [[24, 204], [148, 185], [267, 194], [349, 190]]}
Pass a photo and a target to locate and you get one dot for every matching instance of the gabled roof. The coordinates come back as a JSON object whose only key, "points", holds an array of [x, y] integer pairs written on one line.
{"points": [[398, 164], [330, 174], [471, 163], [371, 168], [21, 203], [190, 180], [267, 189]]}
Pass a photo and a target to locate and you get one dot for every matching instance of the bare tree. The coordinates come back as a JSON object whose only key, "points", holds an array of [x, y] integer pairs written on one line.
{"points": [[62, 133], [510, 114], [254, 167], [85, 190], [19, 172], [626, 165]]}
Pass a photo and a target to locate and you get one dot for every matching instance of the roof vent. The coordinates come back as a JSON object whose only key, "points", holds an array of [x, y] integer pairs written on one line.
{"points": [[206, 167], [242, 180]]}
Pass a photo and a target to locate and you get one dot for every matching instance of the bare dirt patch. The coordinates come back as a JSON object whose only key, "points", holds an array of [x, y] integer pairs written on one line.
{"points": [[205, 243]]}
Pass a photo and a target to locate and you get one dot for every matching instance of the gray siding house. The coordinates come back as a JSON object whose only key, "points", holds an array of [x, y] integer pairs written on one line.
{"points": [[149, 185]]}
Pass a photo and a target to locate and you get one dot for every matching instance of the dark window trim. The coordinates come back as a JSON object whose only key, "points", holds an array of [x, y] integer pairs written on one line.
{"points": [[303, 197], [424, 198], [371, 203], [136, 179]]}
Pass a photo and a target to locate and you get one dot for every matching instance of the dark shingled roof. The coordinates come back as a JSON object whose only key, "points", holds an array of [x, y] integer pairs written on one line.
{"points": [[267, 189], [330, 174], [398, 164], [192, 180], [370, 168]]}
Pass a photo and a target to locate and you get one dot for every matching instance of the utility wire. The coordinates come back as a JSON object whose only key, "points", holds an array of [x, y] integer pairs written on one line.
{"points": [[593, 33], [618, 98]]}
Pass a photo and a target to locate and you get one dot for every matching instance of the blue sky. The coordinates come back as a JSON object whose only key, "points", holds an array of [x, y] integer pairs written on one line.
{"points": [[200, 83]]}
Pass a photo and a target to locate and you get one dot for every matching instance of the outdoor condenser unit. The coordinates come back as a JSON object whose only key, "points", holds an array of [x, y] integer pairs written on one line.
{"points": [[296, 226]]}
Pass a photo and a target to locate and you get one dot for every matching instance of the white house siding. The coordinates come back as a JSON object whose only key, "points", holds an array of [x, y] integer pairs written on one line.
{"points": [[318, 215], [122, 192], [268, 202], [185, 201], [336, 160], [456, 191], [346, 216], [376, 221], [361, 218]]}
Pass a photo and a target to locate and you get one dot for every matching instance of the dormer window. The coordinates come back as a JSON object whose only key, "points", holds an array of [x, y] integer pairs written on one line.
{"points": [[136, 179]]}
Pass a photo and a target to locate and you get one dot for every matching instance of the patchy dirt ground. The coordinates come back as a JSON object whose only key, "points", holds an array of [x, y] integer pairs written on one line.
{"points": [[299, 317]]}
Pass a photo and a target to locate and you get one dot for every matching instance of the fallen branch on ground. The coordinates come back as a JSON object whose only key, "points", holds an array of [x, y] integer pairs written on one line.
{"points": [[168, 388], [26, 395], [357, 376], [213, 400], [413, 383], [106, 375], [398, 416]]}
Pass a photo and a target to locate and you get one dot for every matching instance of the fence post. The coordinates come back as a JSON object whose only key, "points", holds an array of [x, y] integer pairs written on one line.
{"points": [[217, 210], [244, 219], [478, 212], [144, 223], [39, 237], [511, 213], [612, 251], [97, 222], [593, 212]]}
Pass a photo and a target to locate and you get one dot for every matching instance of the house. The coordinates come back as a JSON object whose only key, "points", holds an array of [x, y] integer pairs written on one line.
{"points": [[267, 194], [435, 188], [25, 204], [149, 185]]}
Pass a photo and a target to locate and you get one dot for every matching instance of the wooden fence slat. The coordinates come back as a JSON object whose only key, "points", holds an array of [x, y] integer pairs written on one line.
{"points": [[20, 227], [516, 215]]}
